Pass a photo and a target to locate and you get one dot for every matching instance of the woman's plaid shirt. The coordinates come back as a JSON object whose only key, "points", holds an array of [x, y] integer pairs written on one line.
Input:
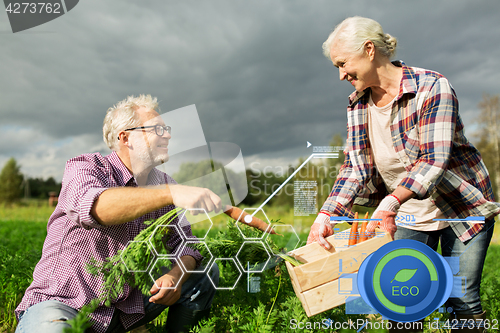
{"points": [[428, 136]]}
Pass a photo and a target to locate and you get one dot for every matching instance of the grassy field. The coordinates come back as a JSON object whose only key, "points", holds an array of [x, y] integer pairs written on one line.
{"points": [[23, 229]]}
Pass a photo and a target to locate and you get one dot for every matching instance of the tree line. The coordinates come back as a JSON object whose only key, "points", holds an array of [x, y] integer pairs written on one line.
{"points": [[263, 182], [488, 137], [14, 185]]}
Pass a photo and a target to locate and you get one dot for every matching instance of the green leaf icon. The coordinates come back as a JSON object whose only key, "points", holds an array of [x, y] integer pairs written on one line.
{"points": [[404, 275]]}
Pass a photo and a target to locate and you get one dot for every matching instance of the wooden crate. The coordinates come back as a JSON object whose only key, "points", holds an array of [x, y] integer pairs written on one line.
{"points": [[316, 282]]}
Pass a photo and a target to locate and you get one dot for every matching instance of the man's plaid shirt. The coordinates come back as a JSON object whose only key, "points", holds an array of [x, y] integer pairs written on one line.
{"points": [[428, 136]]}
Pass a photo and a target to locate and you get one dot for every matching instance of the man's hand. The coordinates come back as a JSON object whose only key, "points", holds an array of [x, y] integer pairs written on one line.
{"points": [[195, 197], [387, 211], [172, 279], [166, 296], [320, 229]]}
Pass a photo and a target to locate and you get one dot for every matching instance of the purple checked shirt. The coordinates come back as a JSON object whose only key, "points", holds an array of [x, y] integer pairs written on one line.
{"points": [[74, 236]]}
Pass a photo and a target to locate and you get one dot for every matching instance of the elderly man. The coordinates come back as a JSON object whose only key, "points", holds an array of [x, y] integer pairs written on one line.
{"points": [[103, 203]]}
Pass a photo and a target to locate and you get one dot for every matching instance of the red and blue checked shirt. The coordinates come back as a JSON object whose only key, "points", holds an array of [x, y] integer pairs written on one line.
{"points": [[428, 136], [74, 236]]}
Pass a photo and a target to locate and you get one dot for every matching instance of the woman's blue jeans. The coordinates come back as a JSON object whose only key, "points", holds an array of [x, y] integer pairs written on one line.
{"points": [[471, 260]]}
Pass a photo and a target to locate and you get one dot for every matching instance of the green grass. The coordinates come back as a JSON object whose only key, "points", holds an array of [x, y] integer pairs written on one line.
{"points": [[490, 285], [28, 210], [269, 310], [20, 249]]}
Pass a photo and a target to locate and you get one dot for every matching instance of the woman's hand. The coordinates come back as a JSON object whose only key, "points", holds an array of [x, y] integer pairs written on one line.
{"points": [[320, 229], [387, 211]]}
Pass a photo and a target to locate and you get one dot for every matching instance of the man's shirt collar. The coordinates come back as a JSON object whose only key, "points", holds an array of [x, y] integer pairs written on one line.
{"points": [[115, 160]]}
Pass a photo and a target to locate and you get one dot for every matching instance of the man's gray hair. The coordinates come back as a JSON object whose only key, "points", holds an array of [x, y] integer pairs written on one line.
{"points": [[123, 115], [355, 31]]}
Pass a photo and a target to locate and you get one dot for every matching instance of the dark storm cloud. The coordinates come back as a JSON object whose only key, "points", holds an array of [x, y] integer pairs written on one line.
{"points": [[254, 69]]}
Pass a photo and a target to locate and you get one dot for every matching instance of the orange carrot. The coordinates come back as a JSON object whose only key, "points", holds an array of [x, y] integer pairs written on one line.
{"points": [[239, 215], [353, 236], [362, 234]]}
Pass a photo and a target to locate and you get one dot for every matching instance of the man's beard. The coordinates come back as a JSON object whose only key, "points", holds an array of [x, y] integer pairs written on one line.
{"points": [[148, 155]]}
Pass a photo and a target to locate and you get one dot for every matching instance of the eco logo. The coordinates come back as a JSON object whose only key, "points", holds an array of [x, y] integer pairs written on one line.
{"points": [[405, 280], [25, 15]]}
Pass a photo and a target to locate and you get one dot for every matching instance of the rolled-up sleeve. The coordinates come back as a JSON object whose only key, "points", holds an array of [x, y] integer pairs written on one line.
{"points": [[82, 184], [343, 192], [436, 128]]}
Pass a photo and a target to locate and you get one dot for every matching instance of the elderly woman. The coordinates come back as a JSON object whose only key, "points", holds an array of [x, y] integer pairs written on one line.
{"points": [[407, 154]]}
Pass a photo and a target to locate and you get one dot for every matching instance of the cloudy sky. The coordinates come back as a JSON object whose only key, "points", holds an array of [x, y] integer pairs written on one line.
{"points": [[254, 69]]}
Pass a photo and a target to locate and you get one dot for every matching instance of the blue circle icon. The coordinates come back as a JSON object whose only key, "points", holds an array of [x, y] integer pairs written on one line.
{"points": [[405, 280]]}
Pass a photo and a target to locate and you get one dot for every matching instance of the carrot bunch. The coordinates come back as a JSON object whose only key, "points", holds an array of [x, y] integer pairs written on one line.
{"points": [[356, 237]]}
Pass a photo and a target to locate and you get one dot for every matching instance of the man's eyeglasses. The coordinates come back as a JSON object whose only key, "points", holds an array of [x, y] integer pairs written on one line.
{"points": [[159, 130]]}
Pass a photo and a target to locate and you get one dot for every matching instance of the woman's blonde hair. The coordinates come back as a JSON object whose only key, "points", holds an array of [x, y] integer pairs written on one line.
{"points": [[122, 116], [355, 31]]}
